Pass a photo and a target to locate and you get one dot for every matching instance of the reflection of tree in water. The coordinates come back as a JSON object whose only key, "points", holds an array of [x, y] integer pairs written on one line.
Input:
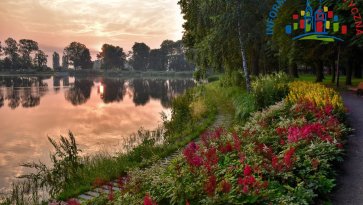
{"points": [[29, 99], [1, 100], [24, 90], [163, 90], [141, 91], [114, 91], [57, 82], [79, 92]]}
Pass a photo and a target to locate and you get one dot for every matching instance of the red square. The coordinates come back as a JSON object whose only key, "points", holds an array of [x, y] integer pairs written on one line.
{"points": [[295, 16], [344, 29], [330, 14], [319, 26], [302, 24]]}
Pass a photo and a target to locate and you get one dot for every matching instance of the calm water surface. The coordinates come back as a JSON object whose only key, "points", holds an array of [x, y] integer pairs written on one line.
{"points": [[101, 112]]}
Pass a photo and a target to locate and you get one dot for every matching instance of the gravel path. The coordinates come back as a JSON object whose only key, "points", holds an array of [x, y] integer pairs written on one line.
{"points": [[350, 181]]}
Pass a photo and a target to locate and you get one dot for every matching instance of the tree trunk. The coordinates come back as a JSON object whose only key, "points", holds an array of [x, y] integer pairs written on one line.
{"points": [[293, 70], [319, 68], [333, 72], [243, 53], [349, 69]]}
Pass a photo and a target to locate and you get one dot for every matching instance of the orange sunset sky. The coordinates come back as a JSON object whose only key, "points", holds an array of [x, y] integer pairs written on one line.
{"points": [[56, 23]]}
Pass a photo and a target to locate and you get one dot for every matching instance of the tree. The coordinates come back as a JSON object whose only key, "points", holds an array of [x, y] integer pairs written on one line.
{"points": [[112, 57], [156, 60], [11, 51], [65, 62], [1, 49], [40, 59], [78, 55], [56, 64], [26, 47], [140, 56]]}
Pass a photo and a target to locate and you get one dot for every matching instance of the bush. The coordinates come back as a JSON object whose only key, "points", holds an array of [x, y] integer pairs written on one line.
{"points": [[232, 78], [269, 89]]}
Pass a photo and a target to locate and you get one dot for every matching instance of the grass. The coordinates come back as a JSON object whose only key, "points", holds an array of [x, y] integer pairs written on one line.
{"points": [[327, 80]]}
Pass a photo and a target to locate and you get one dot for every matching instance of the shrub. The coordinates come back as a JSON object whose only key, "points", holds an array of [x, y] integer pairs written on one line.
{"points": [[269, 89], [232, 78]]}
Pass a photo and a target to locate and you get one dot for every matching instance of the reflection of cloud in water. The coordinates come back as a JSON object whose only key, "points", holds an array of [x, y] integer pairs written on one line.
{"points": [[98, 123]]}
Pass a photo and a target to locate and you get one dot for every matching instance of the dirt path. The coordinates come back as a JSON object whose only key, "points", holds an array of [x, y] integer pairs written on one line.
{"points": [[350, 181]]}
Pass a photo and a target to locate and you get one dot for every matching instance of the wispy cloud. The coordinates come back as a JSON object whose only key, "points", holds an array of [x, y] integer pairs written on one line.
{"points": [[55, 23]]}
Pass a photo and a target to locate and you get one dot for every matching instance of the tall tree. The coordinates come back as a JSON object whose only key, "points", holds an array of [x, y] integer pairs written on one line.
{"points": [[11, 51], [56, 64], [112, 57], [65, 62], [40, 59], [140, 56], [78, 55], [155, 60], [26, 47]]}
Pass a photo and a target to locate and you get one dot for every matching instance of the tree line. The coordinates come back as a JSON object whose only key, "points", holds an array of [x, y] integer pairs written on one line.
{"points": [[27, 55], [230, 35], [24, 54]]}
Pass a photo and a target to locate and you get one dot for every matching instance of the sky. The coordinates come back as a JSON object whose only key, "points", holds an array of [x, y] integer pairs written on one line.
{"points": [[56, 23]]}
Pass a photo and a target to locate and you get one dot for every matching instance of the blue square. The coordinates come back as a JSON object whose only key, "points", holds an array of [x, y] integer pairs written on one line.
{"points": [[288, 29]]}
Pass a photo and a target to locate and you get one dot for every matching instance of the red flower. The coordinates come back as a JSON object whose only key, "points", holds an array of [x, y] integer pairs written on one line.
{"points": [[287, 157], [210, 185], [227, 148], [226, 186], [247, 171], [187, 203], [211, 156], [148, 200], [245, 189], [237, 142], [190, 154]]}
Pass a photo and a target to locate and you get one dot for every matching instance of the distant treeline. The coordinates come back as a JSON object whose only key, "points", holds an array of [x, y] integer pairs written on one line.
{"points": [[26, 54]]}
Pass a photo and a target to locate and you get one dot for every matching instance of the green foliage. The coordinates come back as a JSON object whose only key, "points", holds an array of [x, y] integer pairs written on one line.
{"points": [[269, 89], [65, 165], [233, 78], [245, 105]]}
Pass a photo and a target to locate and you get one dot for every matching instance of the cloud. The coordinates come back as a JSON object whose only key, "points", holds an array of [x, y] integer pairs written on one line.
{"points": [[56, 23]]}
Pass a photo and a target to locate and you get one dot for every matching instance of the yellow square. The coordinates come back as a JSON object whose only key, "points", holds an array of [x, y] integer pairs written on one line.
{"points": [[327, 25], [326, 9], [302, 13]]}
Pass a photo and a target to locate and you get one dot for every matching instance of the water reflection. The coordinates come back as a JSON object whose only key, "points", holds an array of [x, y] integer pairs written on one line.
{"points": [[79, 92], [27, 91]]}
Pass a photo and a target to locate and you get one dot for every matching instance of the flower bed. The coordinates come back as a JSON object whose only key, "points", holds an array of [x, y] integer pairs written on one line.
{"points": [[283, 155]]}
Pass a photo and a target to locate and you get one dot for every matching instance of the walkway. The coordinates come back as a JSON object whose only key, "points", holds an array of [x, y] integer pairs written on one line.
{"points": [[350, 181]]}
